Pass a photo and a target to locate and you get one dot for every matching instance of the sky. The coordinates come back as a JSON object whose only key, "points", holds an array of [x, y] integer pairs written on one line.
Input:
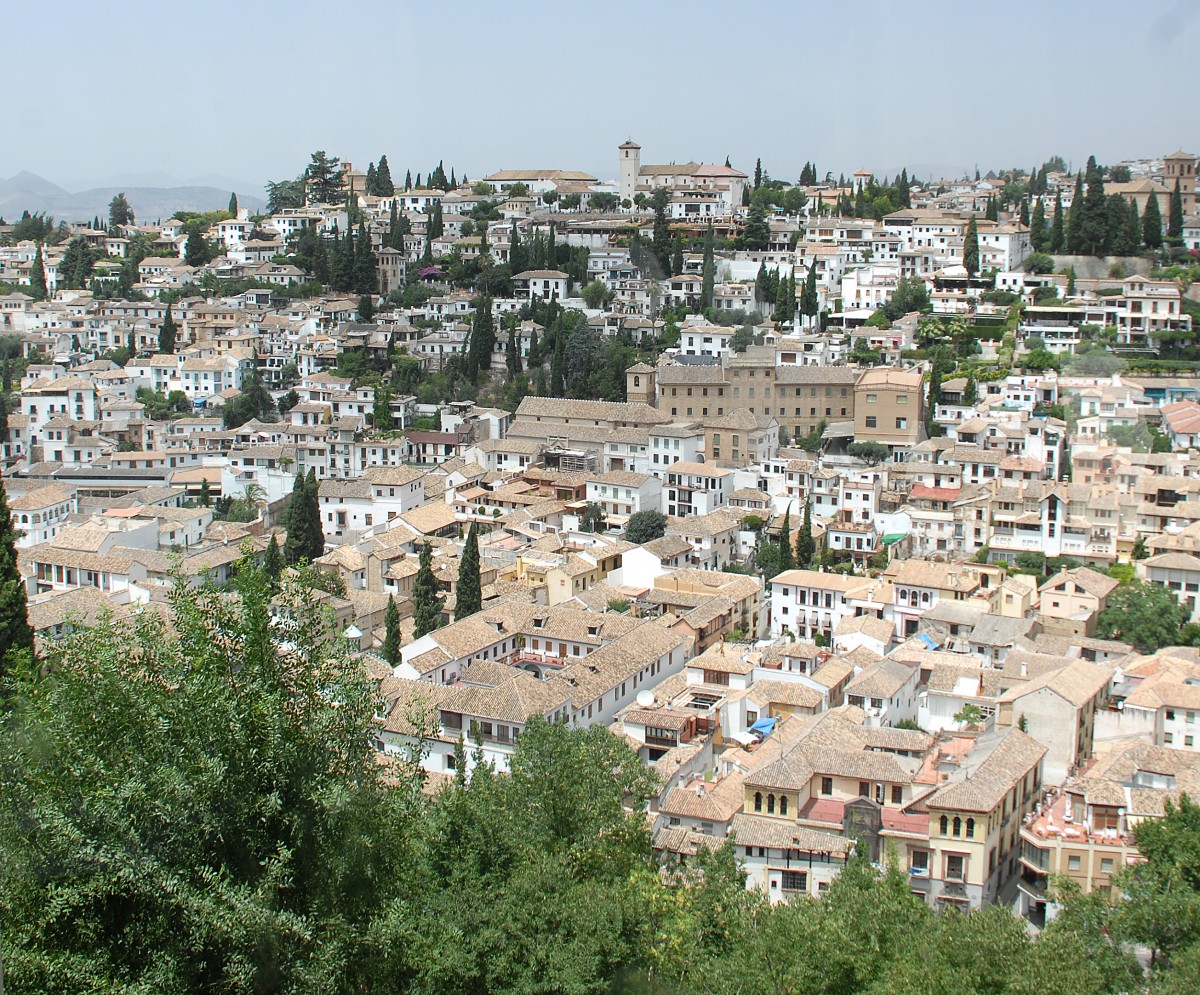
{"points": [[246, 90]]}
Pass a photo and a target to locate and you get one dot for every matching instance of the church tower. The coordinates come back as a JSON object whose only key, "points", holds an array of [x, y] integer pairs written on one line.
{"points": [[631, 161], [640, 381]]}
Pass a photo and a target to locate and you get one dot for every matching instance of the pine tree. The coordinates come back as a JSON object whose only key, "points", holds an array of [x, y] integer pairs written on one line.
{"points": [[787, 552], [1175, 216], [16, 635], [37, 276], [427, 602], [708, 270], [971, 248], [273, 560], [1038, 236], [1058, 236], [1152, 232], [805, 545], [167, 334], [391, 624], [383, 178], [470, 588]]}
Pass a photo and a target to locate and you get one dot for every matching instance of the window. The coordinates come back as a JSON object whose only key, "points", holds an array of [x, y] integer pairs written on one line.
{"points": [[770, 804], [1170, 715], [943, 825], [920, 862], [956, 865], [901, 423], [1106, 865], [1074, 863], [827, 785], [872, 398], [957, 826], [864, 789], [795, 881], [758, 801], [871, 421], [970, 829], [897, 794]]}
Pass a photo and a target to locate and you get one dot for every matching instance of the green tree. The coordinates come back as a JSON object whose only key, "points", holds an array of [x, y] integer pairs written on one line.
{"points": [[483, 339], [805, 544], [1075, 219], [167, 333], [427, 601], [273, 560], [1094, 235], [305, 534], [971, 248], [1175, 217], [756, 234], [197, 251], [708, 270], [366, 281], [233, 205], [391, 639], [323, 179], [381, 412], [645, 526], [1152, 229], [1039, 235], [1058, 237], [37, 276], [16, 636], [119, 211], [787, 548], [676, 256], [1147, 615], [591, 519], [253, 843], [660, 242], [205, 494], [470, 589]]}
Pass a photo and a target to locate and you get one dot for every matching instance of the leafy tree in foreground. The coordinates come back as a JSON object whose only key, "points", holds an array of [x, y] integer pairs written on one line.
{"points": [[645, 526], [1147, 615], [16, 637]]}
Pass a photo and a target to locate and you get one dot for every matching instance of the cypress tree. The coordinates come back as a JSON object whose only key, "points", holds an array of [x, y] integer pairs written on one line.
{"points": [[391, 624], [785, 301], [557, 362], [295, 521], [677, 256], [903, 192], [470, 588], [1152, 232], [762, 285], [516, 252], [551, 248], [1116, 230], [708, 270], [314, 531], [383, 178], [205, 494], [1094, 236], [992, 213], [805, 546], [1057, 229], [483, 339], [435, 225], [1075, 227], [233, 205], [393, 234], [512, 353], [661, 239], [273, 560], [408, 179], [1175, 217], [1024, 215], [427, 602], [971, 248], [809, 301], [1038, 236], [167, 334], [16, 635], [371, 183], [787, 553], [418, 182], [37, 276], [1133, 228], [365, 279]]}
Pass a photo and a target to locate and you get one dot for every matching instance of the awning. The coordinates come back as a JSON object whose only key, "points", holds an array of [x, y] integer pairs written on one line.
{"points": [[893, 537], [764, 726]]}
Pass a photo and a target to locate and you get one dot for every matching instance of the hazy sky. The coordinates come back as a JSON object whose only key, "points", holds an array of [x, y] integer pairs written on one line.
{"points": [[248, 89]]}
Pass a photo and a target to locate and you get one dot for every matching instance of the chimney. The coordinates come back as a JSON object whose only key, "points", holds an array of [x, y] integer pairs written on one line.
{"points": [[1024, 668]]}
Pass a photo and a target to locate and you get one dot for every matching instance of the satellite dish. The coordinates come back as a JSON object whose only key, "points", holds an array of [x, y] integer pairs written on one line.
{"points": [[645, 698]]}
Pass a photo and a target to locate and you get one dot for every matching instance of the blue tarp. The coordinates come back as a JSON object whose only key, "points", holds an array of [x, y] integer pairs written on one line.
{"points": [[764, 726], [932, 644]]}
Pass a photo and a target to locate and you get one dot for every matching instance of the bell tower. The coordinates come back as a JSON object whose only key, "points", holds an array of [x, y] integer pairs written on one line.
{"points": [[640, 383], [631, 161]]}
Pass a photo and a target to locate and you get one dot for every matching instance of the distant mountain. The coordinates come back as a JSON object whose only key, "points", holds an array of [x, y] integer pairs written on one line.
{"points": [[29, 192]]}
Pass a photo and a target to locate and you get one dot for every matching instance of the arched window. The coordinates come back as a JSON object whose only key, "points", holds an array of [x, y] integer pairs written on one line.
{"points": [[783, 804], [758, 801], [770, 804], [957, 826], [944, 825], [637, 380], [970, 829]]}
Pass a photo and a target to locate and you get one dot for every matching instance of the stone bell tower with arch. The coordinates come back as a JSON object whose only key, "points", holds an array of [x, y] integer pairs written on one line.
{"points": [[631, 162]]}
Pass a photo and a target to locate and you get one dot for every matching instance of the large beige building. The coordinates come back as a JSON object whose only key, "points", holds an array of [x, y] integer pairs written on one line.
{"points": [[887, 407]]}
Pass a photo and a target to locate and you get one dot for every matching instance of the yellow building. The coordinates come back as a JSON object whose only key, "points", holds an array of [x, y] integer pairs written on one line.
{"points": [[887, 407]]}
